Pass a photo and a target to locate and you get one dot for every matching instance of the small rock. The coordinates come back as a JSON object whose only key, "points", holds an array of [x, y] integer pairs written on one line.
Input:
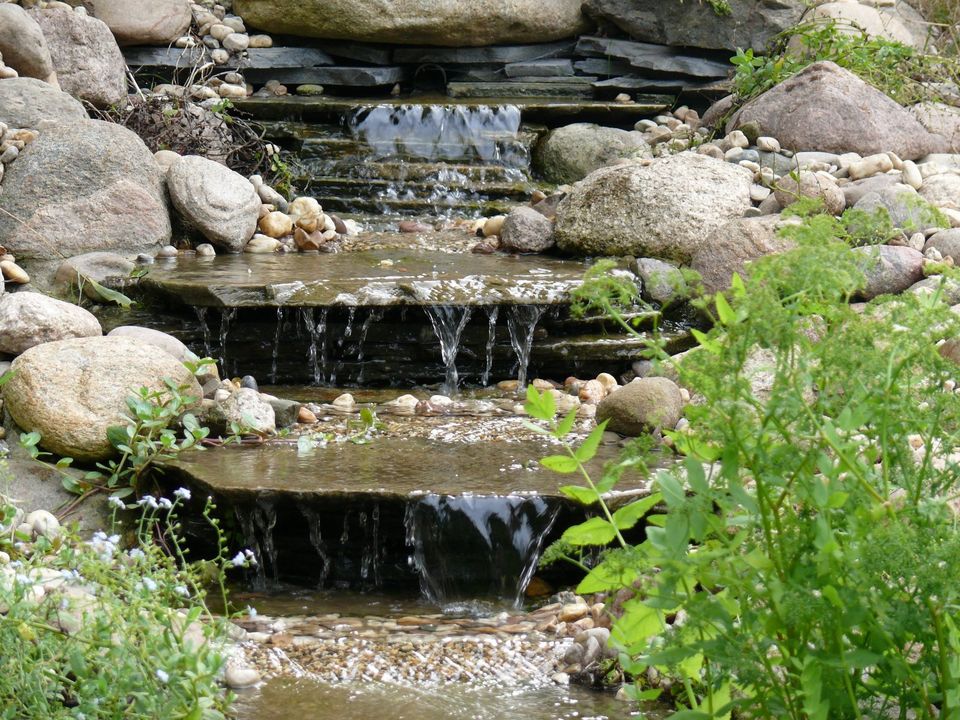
{"points": [[768, 144], [345, 401], [43, 524], [261, 245], [493, 225], [206, 250], [869, 166], [236, 42], [276, 224], [12, 272], [261, 41], [573, 611], [306, 417], [237, 677]]}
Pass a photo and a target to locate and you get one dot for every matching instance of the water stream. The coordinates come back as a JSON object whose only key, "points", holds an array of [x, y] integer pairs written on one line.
{"points": [[522, 322], [448, 323]]}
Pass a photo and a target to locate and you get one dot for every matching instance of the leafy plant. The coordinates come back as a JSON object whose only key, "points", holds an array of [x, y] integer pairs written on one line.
{"points": [[804, 564]]}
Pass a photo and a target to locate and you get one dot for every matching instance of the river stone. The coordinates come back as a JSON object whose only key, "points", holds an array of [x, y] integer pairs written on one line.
{"points": [[83, 186], [572, 152], [134, 22], [526, 230], [825, 107], [661, 282], [819, 186], [729, 248], [72, 391], [25, 102], [29, 318], [148, 336], [907, 210], [663, 209], [942, 190], [889, 269], [248, 409], [943, 120], [447, 23], [22, 43], [102, 267], [751, 24], [854, 191], [641, 406], [947, 242], [220, 203], [88, 62]]}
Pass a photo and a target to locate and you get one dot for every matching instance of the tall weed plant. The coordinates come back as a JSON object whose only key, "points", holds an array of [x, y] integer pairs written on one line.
{"points": [[803, 555]]}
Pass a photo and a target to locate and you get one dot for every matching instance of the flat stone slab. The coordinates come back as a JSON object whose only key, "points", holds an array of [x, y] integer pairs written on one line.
{"points": [[331, 75], [509, 89], [369, 278], [257, 58], [560, 67], [481, 55], [647, 56]]}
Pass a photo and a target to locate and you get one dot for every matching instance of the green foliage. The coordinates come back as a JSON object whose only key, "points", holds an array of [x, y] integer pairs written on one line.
{"points": [[900, 71], [139, 643], [805, 564]]}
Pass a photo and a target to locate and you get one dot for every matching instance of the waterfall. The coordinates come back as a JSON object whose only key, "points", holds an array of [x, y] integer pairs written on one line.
{"points": [[492, 313], [205, 328], [316, 540], [373, 315], [472, 546], [521, 322], [226, 317], [448, 323], [341, 341], [275, 356], [265, 518], [370, 554], [248, 528]]}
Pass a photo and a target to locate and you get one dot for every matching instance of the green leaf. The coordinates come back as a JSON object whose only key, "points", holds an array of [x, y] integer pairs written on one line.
{"points": [[704, 340], [637, 625], [588, 448], [629, 515], [117, 435], [595, 531], [5, 377], [71, 485], [581, 494], [64, 462], [109, 295], [540, 405], [566, 425], [725, 313], [560, 463], [608, 576]]}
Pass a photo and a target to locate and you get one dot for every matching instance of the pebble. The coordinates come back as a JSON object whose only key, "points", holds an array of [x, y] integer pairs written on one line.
{"points": [[236, 42], [237, 677], [734, 154], [493, 225], [344, 401], [309, 89], [10, 154], [261, 41], [768, 144], [276, 224], [12, 272], [759, 193], [43, 523], [220, 56], [592, 392], [869, 166], [220, 31], [228, 90], [910, 174], [737, 139], [206, 250], [573, 612], [306, 417], [167, 252], [261, 245]]}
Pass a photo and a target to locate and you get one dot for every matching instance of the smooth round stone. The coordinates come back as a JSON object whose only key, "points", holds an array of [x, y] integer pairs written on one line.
{"points": [[236, 42], [220, 56], [768, 144], [144, 259], [750, 155], [168, 251], [220, 31], [262, 245], [738, 139], [43, 524], [249, 381], [12, 272], [236, 677], [344, 401], [309, 89], [261, 41], [206, 250]]}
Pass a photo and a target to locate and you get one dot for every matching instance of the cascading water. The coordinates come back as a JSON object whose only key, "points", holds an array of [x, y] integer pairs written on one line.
{"points": [[448, 323], [226, 317], [205, 329], [316, 540], [372, 316], [476, 546], [265, 518], [522, 322], [276, 346], [492, 313]]}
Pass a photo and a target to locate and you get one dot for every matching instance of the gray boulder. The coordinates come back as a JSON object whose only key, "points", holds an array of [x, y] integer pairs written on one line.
{"points": [[219, 203], [818, 186], [527, 231], [72, 391], [29, 318], [88, 62], [572, 152], [751, 24], [947, 242], [26, 102], [662, 282], [663, 209], [83, 186], [133, 22], [22, 44], [641, 406], [889, 269], [148, 336], [825, 107], [418, 22], [245, 407], [854, 191], [907, 210], [729, 248], [940, 119], [942, 190], [75, 273]]}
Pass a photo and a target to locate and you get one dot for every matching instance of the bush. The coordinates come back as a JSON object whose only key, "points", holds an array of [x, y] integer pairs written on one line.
{"points": [[804, 564]]}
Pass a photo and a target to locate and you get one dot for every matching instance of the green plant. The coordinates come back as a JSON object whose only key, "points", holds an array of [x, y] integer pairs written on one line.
{"points": [[118, 634], [902, 72], [804, 564]]}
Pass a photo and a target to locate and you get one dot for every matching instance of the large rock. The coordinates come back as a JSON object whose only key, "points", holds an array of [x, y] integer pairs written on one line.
{"points": [[942, 190], [134, 22], [29, 318], [26, 102], [218, 202], [641, 406], [572, 152], [22, 44], [907, 210], [827, 108], [88, 62], [889, 269], [526, 230], [148, 336], [75, 274], [418, 22], [820, 186], [751, 24], [940, 119], [663, 209], [729, 248], [72, 391], [80, 187], [947, 242]]}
